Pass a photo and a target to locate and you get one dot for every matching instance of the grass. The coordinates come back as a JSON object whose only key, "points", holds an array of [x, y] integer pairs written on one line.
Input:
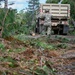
{"points": [[42, 43], [2, 46], [62, 39], [46, 69], [11, 62], [18, 50], [38, 43], [72, 32], [62, 45], [33, 62]]}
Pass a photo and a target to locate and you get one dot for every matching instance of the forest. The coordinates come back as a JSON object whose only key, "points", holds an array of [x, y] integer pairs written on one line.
{"points": [[22, 53]]}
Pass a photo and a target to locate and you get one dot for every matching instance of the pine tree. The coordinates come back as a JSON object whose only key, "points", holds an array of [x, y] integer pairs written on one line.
{"points": [[33, 5]]}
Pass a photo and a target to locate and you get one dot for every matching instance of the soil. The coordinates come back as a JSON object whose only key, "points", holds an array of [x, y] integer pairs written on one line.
{"points": [[22, 62]]}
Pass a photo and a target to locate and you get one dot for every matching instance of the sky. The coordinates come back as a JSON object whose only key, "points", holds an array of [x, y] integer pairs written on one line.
{"points": [[20, 4]]}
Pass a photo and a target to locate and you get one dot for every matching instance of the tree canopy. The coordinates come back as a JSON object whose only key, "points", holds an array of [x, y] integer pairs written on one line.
{"points": [[33, 5], [52, 1]]}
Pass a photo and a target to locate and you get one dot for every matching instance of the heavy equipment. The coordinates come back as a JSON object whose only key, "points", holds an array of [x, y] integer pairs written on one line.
{"points": [[53, 18]]}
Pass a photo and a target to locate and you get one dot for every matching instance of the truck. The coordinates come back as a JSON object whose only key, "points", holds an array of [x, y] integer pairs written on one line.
{"points": [[58, 18]]}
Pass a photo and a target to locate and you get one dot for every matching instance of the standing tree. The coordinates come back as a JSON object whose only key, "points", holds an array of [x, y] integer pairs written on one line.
{"points": [[7, 18], [32, 7]]}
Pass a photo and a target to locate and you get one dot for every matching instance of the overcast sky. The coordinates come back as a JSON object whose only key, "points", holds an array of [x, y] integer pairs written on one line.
{"points": [[20, 4]]}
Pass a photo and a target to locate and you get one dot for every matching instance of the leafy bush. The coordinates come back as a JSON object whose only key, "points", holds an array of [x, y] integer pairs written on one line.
{"points": [[72, 32], [10, 60], [2, 47], [39, 43], [47, 69], [65, 40], [62, 46], [62, 39], [44, 45], [16, 50], [7, 21]]}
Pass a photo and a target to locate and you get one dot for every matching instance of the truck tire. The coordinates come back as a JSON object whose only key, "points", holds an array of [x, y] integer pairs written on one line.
{"points": [[61, 32], [55, 31], [63, 29]]}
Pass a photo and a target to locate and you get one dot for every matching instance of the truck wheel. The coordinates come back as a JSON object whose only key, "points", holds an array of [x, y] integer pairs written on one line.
{"points": [[65, 33], [55, 31], [61, 32]]}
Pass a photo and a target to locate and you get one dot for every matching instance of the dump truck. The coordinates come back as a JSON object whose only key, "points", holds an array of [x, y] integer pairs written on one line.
{"points": [[54, 17]]}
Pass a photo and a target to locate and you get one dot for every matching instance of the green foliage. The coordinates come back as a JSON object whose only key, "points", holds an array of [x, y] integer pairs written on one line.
{"points": [[25, 21], [7, 21], [44, 45], [21, 37], [38, 43], [47, 69], [10, 18], [20, 17], [52, 1], [10, 29], [27, 18], [14, 23], [72, 32], [33, 5], [72, 4], [62, 39], [65, 40], [63, 46], [10, 60], [35, 43], [17, 50], [2, 46]]}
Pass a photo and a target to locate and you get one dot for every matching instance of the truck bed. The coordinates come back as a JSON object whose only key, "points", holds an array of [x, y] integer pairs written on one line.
{"points": [[56, 10]]}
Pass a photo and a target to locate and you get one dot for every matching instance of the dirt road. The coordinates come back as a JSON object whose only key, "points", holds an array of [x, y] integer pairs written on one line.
{"points": [[52, 36]]}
